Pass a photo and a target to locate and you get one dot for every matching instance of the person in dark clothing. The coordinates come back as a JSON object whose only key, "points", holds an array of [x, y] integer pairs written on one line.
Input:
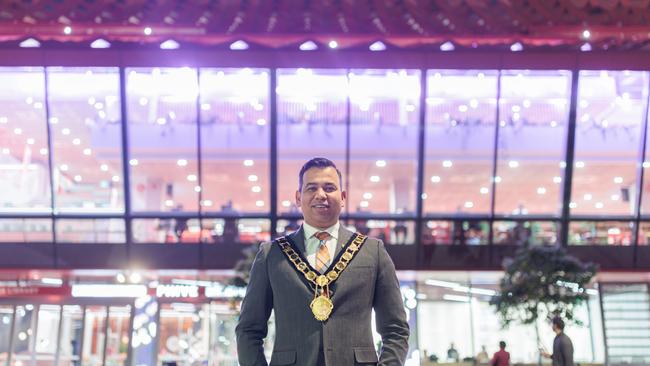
{"points": [[501, 357], [562, 346]]}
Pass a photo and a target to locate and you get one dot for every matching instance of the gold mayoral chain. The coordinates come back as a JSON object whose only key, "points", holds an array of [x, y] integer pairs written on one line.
{"points": [[322, 305]]}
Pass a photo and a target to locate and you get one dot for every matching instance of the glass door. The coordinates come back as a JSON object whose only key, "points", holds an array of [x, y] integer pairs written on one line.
{"points": [[183, 334]]}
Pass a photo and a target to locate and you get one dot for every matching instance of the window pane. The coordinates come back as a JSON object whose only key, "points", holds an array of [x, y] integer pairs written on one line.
{"points": [[235, 140], [231, 230], [312, 108], [384, 111], [70, 343], [167, 230], [644, 233], [161, 106], [23, 333], [461, 109], [118, 335], [611, 107], [94, 333], [526, 233], [534, 114], [25, 230], [389, 231], [24, 166], [600, 233], [85, 125], [47, 335], [90, 231], [6, 315], [182, 325], [470, 232]]}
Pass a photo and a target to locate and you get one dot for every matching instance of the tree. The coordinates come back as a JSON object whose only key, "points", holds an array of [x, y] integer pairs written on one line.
{"points": [[539, 282]]}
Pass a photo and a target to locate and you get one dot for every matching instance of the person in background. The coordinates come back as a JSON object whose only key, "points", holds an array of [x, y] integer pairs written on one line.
{"points": [[452, 353], [482, 357], [501, 357], [562, 345]]}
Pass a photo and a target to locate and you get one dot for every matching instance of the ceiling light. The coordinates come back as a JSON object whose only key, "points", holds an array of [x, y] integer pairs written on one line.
{"points": [[615, 197], [513, 164], [239, 46], [435, 179], [120, 278], [377, 46], [586, 34], [181, 162], [618, 180], [134, 162], [541, 190], [115, 178], [587, 197], [557, 179], [30, 43], [374, 178], [516, 47], [192, 178], [18, 131], [252, 178], [103, 167], [484, 190], [169, 44], [333, 44], [3, 120], [580, 164], [64, 167], [286, 203], [30, 141], [147, 31], [259, 203], [261, 122], [469, 204], [308, 46], [67, 30], [447, 46], [169, 203], [256, 189], [135, 277], [363, 204], [87, 151], [367, 196], [100, 43], [599, 205], [206, 203], [77, 178], [380, 163], [76, 141], [248, 162], [573, 205], [447, 164], [43, 151]]}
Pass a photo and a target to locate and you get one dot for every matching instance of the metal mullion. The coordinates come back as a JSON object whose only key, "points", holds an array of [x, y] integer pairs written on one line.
{"points": [[129, 349], [83, 334], [59, 332], [495, 160], [108, 309], [157, 338], [210, 335], [199, 163], [125, 164], [569, 158], [640, 178], [419, 190], [273, 151], [602, 319], [32, 340], [50, 164]]}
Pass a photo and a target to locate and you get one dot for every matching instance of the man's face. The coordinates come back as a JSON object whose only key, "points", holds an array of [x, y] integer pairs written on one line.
{"points": [[321, 197]]}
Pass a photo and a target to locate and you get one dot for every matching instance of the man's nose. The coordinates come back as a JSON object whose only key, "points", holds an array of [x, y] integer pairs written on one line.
{"points": [[320, 193]]}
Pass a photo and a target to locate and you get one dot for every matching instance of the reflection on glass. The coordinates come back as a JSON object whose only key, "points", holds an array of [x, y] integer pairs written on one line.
{"points": [[534, 113], [162, 115], [184, 333], [71, 337], [526, 233], [223, 348], [47, 334], [86, 134], [231, 230], [644, 233], [384, 111], [600, 233], [25, 230], [167, 230], [6, 316], [288, 226], [118, 335], [94, 333], [312, 108], [234, 113], [460, 127], [90, 231], [611, 107], [463, 232], [389, 231], [24, 331], [24, 167]]}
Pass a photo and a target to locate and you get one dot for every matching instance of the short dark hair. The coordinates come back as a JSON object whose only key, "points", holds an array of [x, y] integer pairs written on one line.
{"points": [[320, 163], [558, 322], [502, 345]]}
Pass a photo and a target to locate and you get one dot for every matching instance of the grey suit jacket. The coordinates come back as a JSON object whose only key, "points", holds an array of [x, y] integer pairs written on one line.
{"points": [[562, 350], [346, 337]]}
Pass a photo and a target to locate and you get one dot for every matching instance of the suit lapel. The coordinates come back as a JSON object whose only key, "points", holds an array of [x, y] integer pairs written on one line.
{"points": [[298, 238], [344, 237]]}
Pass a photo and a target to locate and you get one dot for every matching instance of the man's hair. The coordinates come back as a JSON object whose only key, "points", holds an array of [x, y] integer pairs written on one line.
{"points": [[558, 322], [502, 345], [320, 163]]}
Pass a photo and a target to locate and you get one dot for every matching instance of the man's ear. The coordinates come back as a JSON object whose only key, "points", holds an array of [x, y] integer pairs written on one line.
{"points": [[344, 196], [298, 198]]}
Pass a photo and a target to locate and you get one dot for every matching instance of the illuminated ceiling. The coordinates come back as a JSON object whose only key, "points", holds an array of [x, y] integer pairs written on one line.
{"points": [[492, 24]]}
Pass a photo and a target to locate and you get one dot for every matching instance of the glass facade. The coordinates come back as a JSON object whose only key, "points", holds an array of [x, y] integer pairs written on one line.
{"points": [[211, 155]]}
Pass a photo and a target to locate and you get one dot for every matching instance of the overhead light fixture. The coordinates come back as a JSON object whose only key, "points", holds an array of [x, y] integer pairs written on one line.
{"points": [[585, 47], [100, 43], [516, 47], [147, 31], [239, 45], [447, 46], [169, 44], [308, 46], [377, 46], [67, 29], [586, 34], [30, 43], [333, 44]]}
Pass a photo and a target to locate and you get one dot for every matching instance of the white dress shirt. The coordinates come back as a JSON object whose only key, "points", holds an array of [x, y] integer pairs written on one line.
{"points": [[312, 243]]}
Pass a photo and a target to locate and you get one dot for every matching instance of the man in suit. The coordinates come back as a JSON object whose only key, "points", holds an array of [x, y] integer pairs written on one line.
{"points": [[562, 346], [368, 281]]}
